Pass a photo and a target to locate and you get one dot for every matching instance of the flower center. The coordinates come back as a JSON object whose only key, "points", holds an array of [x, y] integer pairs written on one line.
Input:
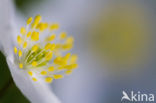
{"points": [[47, 58]]}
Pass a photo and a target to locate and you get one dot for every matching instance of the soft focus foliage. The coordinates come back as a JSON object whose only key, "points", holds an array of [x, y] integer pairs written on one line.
{"points": [[8, 90]]}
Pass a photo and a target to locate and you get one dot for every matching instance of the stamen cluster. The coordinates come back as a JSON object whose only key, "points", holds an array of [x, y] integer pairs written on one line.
{"points": [[49, 57]]}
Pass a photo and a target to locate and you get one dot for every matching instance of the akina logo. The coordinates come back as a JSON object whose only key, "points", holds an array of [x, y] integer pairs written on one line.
{"points": [[137, 97]]}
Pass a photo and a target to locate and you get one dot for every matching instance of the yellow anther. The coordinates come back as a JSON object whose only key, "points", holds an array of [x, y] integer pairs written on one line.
{"points": [[20, 65], [29, 20], [23, 31], [60, 61], [60, 68], [63, 35], [47, 46], [68, 72], [33, 25], [34, 63], [67, 46], [46, 25], [43, 73], [35, 36], [37, 18], [57, 46], [30, 73], [51, 69], [48, 79], [72, 66], [28, 34], [66, 57], [52, 47], [25, 45], [51, 38], [34, 79], [54, 26], [15, 50], [73, 59], [36, 21], [19, 53], [57, 60], [19, 39], [58, 76], [48, 55], [35, 48], [69, 40], [42, 26]]}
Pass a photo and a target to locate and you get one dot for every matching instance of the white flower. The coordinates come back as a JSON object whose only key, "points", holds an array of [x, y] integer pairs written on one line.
{"points": [[37, 57]]}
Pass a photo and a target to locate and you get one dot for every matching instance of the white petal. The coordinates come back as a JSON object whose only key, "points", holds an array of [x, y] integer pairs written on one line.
{"points": [[6, 31], [36, 92]]}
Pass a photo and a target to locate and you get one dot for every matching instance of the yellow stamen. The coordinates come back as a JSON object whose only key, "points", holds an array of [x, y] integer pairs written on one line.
{"points": [[25, 45], [35, 36], [52, 47], [28, 34], [58, 76], [57, 46], [20, 65], [19, 39], [60, 68], [42, 26], [35, 56], [54, 26], [73, 59], [67, 46], [60, 61], [30, 73], [51, 38], [34, 79], [34, 63], [29, 20], [15, 50], [48, 79], [68, 72], [51, 69], [23, 31], [43, 73], [63, 35], [20, 53], [36, 21], [47, 46], [66, 57], [72, 66], [35, 48], [49, 55], [70, 40], [37, 18]]}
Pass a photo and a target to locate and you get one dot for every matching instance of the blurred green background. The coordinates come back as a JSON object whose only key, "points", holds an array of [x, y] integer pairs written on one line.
{"points": [[9, 93]]}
